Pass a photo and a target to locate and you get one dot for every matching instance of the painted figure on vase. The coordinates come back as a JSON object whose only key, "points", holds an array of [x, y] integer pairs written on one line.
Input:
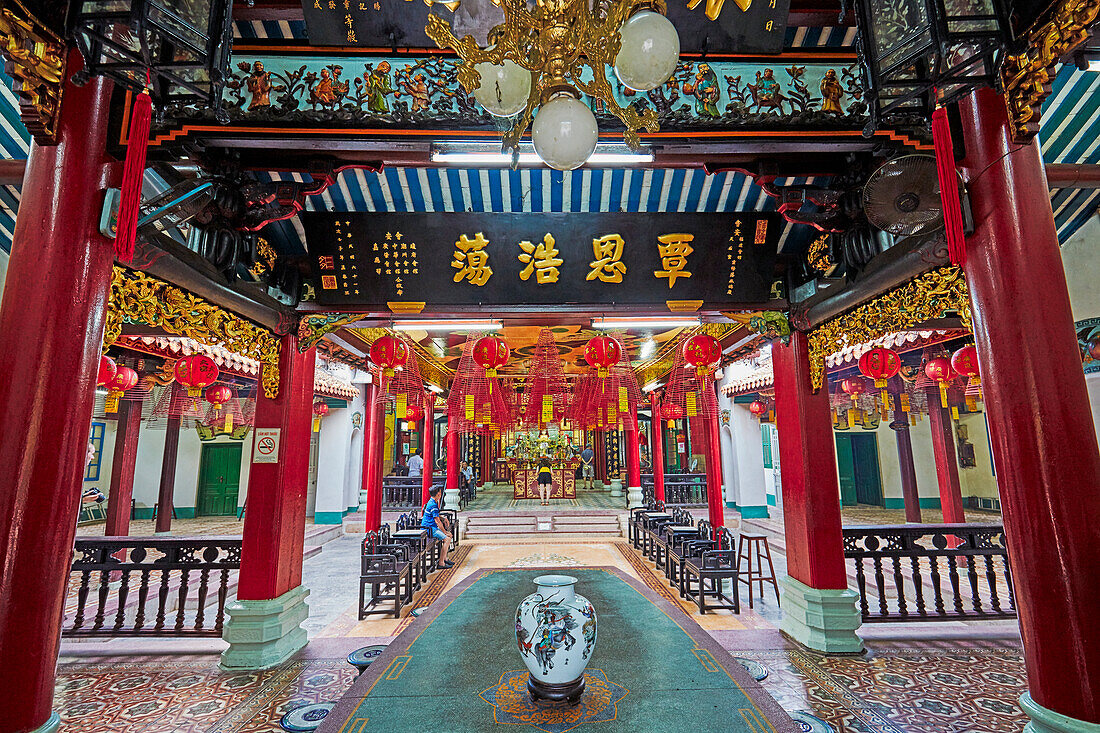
{"points": [[831, 93], [705, 90]]}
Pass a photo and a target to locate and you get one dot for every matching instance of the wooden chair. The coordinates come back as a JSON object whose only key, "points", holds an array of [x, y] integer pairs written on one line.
{"points": [[686, 548], [712, 567], [383, 568]]}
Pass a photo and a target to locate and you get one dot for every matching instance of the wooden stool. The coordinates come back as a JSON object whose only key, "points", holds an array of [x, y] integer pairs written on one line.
{"points": [[745, 546]]}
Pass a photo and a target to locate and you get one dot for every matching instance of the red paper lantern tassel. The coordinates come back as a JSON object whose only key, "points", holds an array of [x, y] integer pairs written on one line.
{"points": [[133, 175], [949, 187]]}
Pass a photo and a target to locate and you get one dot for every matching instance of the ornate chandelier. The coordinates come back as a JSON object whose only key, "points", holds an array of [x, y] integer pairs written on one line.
{"points": [[546, 54]]}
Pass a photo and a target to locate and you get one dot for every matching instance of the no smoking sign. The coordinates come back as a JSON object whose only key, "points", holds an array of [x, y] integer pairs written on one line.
{"points": [[266, 447]]}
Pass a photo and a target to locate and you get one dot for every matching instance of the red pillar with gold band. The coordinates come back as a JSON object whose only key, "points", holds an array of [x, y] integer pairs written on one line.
{"points": [[1040, 423], [947, 466], [633, 462], [657, 449], [451, 499], [263, 628], [374, 491], [51, 334], [715, 505], [818, 609], [428, 434]]}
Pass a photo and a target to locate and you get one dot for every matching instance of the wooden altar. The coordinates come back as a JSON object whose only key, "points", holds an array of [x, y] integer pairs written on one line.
{"points": [[525, 482]]}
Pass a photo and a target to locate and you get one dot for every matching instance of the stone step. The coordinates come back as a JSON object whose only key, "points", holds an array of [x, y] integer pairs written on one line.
{"points": [[586, 519], [475, 520]]}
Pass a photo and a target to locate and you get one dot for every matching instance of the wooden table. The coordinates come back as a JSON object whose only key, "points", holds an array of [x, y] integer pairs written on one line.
{"points": [[525, 483]]}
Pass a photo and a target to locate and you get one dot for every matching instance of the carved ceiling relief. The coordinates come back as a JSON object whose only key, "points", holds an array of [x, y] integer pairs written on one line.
{"points": [[36, 62]]}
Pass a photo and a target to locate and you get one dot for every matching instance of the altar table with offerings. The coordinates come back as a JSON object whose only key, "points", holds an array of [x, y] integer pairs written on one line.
{"points": [[525, 483]]}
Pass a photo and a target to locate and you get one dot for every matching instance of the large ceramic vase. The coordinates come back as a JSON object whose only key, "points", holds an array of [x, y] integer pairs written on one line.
{"points": [[556, 631]]}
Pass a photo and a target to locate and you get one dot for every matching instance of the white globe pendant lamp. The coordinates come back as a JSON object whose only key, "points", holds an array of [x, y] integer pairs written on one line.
{"points": [[564, 132], [649, 51], [504, 88]]}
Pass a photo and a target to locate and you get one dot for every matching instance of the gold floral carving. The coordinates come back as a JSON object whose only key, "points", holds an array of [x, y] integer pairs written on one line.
{"points": [[930, 296], [36, 63], [1026, 77], [139, 298], [312, 327]]}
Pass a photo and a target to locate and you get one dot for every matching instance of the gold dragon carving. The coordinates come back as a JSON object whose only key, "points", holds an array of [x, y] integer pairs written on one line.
{"points": [[930, 296], [36, 64], [139, 298], [1026, 77]]}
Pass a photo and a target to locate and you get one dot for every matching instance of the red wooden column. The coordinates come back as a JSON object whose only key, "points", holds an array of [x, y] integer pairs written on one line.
{"points": [[818, 609], [165, 495], [1044, 442], [715, 504], [369, 394], [429, 446], [263, 629], [451, 497], [123, 465], [372, 469], [633, 463], [657, 448], [947, 466], [51, 333], [910, 494]]}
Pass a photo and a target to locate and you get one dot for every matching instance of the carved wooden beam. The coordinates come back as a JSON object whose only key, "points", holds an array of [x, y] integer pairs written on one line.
{"points": [[1027, 77], [35, 60]]}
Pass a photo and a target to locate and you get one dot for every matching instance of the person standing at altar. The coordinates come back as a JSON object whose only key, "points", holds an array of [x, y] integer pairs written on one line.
{"points": [[545, 479], [588, 467]]}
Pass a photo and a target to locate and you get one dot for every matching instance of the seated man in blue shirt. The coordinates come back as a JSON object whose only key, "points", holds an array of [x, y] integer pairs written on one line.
{"points": [[428, 522]]}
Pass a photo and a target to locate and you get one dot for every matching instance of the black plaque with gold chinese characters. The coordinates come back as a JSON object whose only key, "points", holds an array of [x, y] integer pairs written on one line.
{"points": [[478, 259], [707, 26]]}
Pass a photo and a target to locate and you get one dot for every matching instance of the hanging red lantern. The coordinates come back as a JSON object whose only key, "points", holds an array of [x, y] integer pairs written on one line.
{"points": [[196, 372], [602, 352], [389, 352], [124, 379], [758, 408], [490, 353], [939, 371], [965, 362], [703, 352], [320, 409], [218, 395], [107, 371], [413, 413], [854, 387], [880, 364]]}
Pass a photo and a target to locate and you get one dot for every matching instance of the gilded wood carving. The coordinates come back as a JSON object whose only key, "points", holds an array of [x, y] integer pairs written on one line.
{"points": [[139, 298]]}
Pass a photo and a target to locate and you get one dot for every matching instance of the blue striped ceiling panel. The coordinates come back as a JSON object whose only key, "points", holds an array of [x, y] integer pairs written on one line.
{"points": [[1069, 132], [540, 189]]}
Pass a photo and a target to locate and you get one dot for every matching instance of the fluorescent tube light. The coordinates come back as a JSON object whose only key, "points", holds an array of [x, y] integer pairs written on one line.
{"points": [[451, 325], [609, 323], [472, 154]]}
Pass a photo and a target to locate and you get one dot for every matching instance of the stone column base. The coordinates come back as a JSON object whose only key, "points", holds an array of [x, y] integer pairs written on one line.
{"points": [[451, 498], [50, 726], [263, 634], [1048, 721], [633, 497], [823, 620], [616, 488], [362, 500]]}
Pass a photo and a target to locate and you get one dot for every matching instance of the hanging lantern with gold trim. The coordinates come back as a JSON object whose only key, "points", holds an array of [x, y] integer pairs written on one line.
{"points": [[880, 364], [195, 372]]}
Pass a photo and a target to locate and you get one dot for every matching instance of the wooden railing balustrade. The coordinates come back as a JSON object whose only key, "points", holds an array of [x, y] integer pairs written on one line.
{"points": [[150, 586], [403, 492], [681, 489], [931, 572]]}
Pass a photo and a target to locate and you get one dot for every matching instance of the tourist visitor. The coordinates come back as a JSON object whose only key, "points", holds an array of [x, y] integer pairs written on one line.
{"points": [[467, 479], [431, 519], [416, 463], [546, 479], [588, 467]]}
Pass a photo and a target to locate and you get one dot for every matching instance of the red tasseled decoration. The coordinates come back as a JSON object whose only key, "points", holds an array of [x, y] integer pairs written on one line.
{"points": [[949, 187], [132, 176]]}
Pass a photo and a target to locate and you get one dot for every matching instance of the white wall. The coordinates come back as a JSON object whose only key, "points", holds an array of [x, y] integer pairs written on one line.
{"points": [[1082, 265], [333, 462], [3, 270], [150, 455]]}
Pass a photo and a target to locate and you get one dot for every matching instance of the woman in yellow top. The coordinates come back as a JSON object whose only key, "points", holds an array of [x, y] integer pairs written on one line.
{"points": [[546, 479]]}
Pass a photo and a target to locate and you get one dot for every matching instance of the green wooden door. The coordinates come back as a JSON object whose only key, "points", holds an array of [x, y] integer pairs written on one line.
{"points": [[865, 464], [846, 469], [219, 479]]}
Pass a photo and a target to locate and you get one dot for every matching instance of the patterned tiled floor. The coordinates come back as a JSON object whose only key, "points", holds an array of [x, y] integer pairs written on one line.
{"points": [[896, 687]]}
